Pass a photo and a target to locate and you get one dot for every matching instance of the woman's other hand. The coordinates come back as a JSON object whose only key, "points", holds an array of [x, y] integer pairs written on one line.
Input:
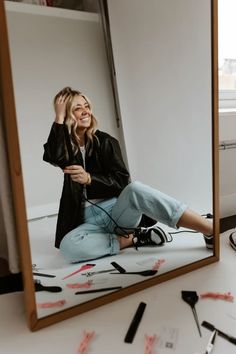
{"points": [[78, 174]]}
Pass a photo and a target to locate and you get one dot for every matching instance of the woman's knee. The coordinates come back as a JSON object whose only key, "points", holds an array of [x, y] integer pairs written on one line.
{"points": [[74, 250], [86, 246], [134, 187]]}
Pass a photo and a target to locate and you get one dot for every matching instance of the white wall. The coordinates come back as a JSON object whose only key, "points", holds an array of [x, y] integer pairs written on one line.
{"points": [[50, 49], [162, 52]]}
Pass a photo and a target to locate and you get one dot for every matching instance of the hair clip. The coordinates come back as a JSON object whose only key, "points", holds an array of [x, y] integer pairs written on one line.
{"points": [[158, 264], [46, 305], [85, 285], [149, 343], [218, 296], [85, 342]]}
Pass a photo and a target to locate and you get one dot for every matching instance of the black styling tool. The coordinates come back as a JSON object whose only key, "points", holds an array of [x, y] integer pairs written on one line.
{"points": [[220, 333], [44, 275], [98, 290], [145, 273], [191, 298], [118, 267], [52, 289], [135, 323]]}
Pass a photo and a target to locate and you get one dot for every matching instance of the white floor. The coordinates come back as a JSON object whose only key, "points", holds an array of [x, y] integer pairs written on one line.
{"points": [[184, 249], [166, 315]]}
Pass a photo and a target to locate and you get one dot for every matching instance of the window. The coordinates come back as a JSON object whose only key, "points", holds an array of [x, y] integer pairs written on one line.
{"points": [[227, 54]]}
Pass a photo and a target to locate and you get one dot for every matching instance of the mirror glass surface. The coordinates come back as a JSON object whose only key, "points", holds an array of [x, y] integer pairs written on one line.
{"points": [[163, 60]]}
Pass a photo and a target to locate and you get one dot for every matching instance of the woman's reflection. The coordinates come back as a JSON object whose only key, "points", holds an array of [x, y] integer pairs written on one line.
{"points": [[100, 208]]}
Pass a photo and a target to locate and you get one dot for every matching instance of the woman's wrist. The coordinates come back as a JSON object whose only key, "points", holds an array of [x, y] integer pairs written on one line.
{"points": [[59, 120], [88, 179]]}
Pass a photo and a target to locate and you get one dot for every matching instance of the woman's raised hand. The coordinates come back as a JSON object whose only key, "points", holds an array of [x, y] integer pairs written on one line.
{"points": [[78, 174], [60, 107]]}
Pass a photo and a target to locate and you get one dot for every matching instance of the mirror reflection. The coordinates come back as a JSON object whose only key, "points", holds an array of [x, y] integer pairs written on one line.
{"points": [[115, 208]]}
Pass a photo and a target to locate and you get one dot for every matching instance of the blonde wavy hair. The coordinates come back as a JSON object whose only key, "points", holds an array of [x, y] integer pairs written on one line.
{"points": [[72, 123]]}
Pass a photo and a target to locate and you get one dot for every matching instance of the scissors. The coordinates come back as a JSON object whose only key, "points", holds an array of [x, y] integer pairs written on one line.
{"points": [[35, 268], [89, 274], [210, 344]]}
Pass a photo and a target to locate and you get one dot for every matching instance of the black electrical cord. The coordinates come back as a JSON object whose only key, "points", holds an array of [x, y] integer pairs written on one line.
{"points": [[179, 232], [124, 229]]}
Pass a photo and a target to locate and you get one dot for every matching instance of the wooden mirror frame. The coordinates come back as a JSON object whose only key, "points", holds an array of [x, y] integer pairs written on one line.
{"points": [[8, 113]]}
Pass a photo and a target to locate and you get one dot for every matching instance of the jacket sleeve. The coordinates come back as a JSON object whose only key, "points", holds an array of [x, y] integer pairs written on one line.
{"points": [[55, 151], [114, 175]]}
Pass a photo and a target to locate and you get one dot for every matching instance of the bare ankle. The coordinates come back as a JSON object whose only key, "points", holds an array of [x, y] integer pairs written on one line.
{"points": [[125, 241]]}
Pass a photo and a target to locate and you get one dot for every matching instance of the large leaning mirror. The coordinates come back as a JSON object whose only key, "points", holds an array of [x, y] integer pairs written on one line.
{"points": [[152, 83]]}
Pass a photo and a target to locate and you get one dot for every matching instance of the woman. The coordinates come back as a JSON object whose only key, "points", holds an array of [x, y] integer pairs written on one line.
{"points": [[99, 204]]}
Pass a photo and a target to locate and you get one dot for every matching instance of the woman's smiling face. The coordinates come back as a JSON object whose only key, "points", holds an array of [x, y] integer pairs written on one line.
{"points": [[82, 112]]}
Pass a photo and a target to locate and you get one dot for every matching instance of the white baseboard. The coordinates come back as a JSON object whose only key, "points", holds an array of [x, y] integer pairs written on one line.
{"points": [[227, 205], [41, 211]]}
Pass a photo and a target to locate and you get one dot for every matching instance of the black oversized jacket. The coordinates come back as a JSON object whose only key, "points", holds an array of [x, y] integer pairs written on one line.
{"points": [[108, 173]]}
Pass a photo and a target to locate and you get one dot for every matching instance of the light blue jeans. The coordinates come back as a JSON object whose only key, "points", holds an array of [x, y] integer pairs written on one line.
{"points": [[95, 238]]}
